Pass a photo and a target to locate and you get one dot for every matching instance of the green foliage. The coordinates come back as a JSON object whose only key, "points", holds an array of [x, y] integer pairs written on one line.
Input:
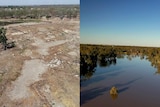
{"points": [[105, 55], [3, 38], [36, 12]]}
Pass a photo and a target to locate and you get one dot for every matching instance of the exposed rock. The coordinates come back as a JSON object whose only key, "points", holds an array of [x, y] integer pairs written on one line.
{"points": [[31, 71], [54, 63], [43, 46], [17, 33], [27, 79]]}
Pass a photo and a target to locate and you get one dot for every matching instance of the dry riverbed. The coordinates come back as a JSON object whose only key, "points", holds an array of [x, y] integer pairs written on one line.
{"points": [[43, 69]]}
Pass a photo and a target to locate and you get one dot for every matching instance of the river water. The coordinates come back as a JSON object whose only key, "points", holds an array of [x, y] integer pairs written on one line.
{"points": [[135, 79]]}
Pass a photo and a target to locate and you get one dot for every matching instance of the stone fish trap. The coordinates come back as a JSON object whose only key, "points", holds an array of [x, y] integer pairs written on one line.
{"points": [[54, 63]]}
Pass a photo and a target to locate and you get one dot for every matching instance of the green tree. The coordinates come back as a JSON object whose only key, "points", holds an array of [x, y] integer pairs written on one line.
{"points": [[3, 38]]}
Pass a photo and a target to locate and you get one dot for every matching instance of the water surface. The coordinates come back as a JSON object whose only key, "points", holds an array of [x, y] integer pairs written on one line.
{"points": [[135, 78]]}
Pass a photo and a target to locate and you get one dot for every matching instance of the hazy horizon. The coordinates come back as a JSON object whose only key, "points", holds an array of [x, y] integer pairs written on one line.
{"points": [[114, 22], [119, 45], [38, 2]]}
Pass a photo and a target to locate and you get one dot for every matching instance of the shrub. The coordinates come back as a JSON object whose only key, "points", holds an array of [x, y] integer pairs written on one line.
{"points": [[3, 38]]}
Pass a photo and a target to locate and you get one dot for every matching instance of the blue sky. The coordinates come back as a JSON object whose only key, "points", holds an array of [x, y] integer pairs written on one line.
{"points": [[37, 2], [120, 22]]}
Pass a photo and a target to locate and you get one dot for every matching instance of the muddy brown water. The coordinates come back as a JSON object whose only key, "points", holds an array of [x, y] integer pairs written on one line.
{"points": [[137, 84]]}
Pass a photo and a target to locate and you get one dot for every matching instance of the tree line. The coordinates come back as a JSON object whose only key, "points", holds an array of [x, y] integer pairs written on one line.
{"points": [[36, 12], [105, 55]]}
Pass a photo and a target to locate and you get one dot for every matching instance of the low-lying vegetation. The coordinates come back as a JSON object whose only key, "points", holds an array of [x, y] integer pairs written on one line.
{"points": [[37, 12]]}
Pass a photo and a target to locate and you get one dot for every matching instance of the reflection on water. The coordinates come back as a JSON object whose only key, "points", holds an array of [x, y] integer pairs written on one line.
{"points": [[114, 92], [130, 69], [114, 96], [106, 56]]}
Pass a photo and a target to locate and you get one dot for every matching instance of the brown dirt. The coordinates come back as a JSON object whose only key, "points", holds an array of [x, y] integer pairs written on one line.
{"points": [[43, 69]]}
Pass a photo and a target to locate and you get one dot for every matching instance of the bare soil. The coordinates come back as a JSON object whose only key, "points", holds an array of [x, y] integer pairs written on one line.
{"points": [[43, 69]]}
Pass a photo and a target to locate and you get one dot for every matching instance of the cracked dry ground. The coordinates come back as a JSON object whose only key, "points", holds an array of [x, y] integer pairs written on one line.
{"points": [[43, 69]]}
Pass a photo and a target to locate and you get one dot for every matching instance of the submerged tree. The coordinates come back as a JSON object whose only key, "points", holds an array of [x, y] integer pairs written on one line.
{"points": [[3, 38]]}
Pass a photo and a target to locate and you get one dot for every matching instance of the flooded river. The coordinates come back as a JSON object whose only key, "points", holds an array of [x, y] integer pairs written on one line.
{"points": [[134, 76]]}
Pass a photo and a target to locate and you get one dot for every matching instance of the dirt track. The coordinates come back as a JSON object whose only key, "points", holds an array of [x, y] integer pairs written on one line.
{"points": [[43, 69]]}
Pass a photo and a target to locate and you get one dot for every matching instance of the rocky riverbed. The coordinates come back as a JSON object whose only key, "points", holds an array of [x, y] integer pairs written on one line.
{"points": [[43, 69]]}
